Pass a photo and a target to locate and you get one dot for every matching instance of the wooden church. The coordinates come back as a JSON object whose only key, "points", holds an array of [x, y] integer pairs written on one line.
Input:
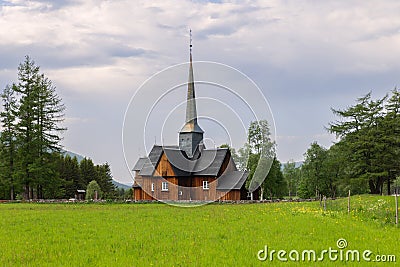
{"points": [[189, 171]]}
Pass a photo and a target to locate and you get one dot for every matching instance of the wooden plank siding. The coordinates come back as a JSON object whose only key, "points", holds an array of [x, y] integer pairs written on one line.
{"points": [[164, 167], [197, 191], [183, 188], [231, 195], [158, 193]]}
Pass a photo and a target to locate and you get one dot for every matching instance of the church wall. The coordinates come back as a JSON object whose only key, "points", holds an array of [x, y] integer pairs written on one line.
{"points": [[231, 195], [198, 193], [158, 193]]}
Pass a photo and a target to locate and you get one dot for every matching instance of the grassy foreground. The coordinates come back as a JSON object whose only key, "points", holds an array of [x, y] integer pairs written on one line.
{"points": [[211, 235]]}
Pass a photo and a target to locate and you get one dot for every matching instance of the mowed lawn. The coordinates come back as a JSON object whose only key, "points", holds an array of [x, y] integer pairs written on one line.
{"points": [[210, 235]]}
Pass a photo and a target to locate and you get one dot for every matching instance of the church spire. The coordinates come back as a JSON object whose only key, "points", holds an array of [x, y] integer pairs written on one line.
{"points": [[191, 135], [191, 111]]}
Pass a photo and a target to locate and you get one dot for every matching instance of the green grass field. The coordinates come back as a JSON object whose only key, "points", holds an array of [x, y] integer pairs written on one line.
{"points": [[210, 235]]}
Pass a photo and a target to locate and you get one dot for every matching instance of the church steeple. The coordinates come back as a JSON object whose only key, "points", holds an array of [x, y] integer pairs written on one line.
{"points": [[191, 135]]}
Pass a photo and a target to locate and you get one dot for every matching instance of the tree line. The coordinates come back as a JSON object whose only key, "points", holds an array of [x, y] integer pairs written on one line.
{"points": [[364, 159], [366, 156], [32, 164]]}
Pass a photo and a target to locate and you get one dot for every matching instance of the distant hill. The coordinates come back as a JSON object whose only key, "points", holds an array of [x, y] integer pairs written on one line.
{"points": [[120, 185], [72, 154]]}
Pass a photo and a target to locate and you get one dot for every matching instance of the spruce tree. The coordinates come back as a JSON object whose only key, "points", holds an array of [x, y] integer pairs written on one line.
{"points": [[104, 179], [38, 132], [8, 140], [87, 172], [28, 77]]}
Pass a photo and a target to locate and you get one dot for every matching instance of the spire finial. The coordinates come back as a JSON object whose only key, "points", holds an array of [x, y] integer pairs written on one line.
{"points": [[190, 46]]}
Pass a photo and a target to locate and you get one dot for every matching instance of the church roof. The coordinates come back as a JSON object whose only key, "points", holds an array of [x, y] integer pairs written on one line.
{"points": [[232, 180], [151, 161], [139, 164], [209, 163]]}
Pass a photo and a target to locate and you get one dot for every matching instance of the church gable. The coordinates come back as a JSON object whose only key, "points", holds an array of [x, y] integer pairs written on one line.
{"points": [[164, 167]]}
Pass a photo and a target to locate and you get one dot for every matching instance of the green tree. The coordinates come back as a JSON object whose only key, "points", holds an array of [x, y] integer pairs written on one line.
{"points": [[104, 179], [70, 174], [390, 138], [39, 114], [128, 194], [291, 175], [261, 154], [259, 139], [87, 172], [320, 172], [92, 189], [8, 140], [314, 173], [360, 130], [28, 77], [49, 115], [275, 184]]}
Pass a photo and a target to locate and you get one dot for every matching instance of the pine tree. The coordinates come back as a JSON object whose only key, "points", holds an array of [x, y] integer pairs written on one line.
{"points": [[8, 139], [69, 173], [38, 133], [49, 115], [104, 179], [87, 172], [391, 138], [360, 129], [28, 76]]}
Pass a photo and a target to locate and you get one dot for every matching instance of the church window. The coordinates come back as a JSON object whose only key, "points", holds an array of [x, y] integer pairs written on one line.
{"points": [[205, 185], [164, 186]]}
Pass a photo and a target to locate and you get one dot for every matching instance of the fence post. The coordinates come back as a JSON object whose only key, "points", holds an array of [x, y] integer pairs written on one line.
{"points": [[324, 198], [348, 204], [397, 206]]}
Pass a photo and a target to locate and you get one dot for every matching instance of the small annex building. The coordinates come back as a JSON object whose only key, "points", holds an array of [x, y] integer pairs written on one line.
{"points": [[188, 171]]}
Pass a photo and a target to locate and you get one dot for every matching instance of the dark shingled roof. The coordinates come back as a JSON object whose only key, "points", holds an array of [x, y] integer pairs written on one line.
{"points": [[139, 164], [149, 165], [209, 164], [180, 163], [232, 180]]}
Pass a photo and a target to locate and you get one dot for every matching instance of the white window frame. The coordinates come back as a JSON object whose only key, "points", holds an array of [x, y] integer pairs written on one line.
{"points": [[164, 186], [206, 185], [152, 187]]}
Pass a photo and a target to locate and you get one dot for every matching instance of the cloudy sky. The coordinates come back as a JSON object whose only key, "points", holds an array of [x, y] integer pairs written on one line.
{"points": [[306, 56]]}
